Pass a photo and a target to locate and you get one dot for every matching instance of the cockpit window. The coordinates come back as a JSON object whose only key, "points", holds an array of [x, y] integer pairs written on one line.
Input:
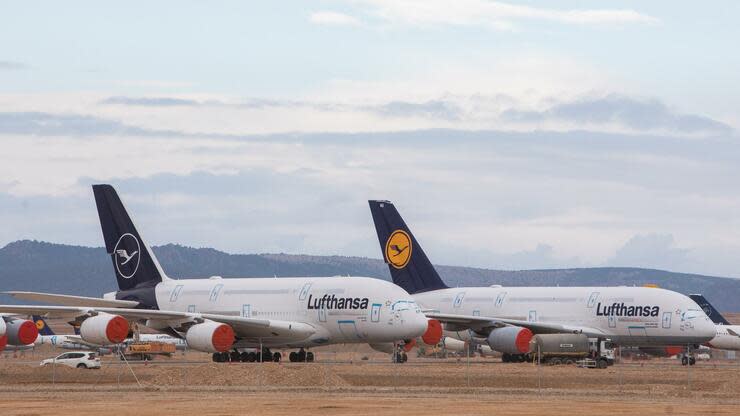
{"points": [[404, 305], [691, 314]]}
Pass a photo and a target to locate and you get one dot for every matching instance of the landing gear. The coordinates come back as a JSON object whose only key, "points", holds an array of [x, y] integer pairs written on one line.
{"points": [[301, 356], [688, 360], [513, 358]]}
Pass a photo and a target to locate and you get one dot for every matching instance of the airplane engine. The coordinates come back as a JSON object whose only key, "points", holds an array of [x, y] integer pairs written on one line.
{"points": [[452, 344], [104, 329], [385, 347], [433, 334], [510, 339], [210, 337], [21, 332], [3, 342]]}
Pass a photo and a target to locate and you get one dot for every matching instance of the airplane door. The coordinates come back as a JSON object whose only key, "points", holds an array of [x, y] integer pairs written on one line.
{"points": [[375, 313], [500, 299], [476, 312], [246, 311], [175, 293], [592, 299], [191, 308], [215, 292], [458, 300], [612, 321], [667, 319], [532, 316], [304, 291], [322, 313]]}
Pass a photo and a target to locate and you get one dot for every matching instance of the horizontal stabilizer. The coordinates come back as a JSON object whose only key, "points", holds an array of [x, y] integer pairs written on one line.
{"points": [[69, 300]]}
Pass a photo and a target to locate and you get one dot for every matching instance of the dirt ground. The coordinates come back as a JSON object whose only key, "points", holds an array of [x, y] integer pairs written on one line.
{"points": [[189, 384], [352, 380]]}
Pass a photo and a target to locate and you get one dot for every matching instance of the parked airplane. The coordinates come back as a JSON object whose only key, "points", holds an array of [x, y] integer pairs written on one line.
{"points": [[507, 317], [220, 315], [727, 336]]}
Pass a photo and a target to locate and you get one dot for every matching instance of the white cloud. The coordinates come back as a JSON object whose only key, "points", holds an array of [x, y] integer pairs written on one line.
{"points": [[497, 15], [333, 19]]}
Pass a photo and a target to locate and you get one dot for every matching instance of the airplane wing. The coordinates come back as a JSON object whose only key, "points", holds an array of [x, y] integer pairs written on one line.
{"points": [[248, 329], [483, 323], [69, 300]]}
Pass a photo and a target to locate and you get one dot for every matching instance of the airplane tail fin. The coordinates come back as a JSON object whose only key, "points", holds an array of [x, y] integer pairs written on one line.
{"points": [[711, 312], [133, 261], [409, 266], [43, 327]]}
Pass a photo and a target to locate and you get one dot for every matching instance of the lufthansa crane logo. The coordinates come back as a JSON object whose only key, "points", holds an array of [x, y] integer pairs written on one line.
{"points": [[127, 254], [398, 249]]}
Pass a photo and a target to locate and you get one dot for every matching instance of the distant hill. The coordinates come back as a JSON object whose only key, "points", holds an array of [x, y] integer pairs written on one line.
{"points": [[57, 268]]}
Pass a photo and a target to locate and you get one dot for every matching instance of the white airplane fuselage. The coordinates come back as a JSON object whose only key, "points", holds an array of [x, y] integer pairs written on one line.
{"points": [[636, 316], [339, 309], [724, 339]]}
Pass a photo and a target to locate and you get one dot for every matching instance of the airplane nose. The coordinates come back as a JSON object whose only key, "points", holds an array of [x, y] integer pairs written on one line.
{"points": [[418, 323], [707, 329]]}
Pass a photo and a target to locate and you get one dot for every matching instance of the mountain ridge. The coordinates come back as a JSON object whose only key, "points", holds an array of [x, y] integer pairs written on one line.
{"points": [[60, 268]]}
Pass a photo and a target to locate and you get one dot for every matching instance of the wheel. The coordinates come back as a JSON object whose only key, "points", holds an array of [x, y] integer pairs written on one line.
{"points": [[216, 357], [404, 357], [80, 365], [276, 357], [521, 358], [569, 361], [602, 364], [684, 361], [244, 357], [692, 361], [301, 356], [556, 361], [235, 356], [251, 357], [293, 356], [309, 357]]}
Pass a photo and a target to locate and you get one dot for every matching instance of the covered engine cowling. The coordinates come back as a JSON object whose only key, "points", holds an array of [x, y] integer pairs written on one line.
{"points": [[104, 329], [21, 332], [433, 334], [210, 337], [386, 347], [452, 344], [3, 342], [510, 339]]}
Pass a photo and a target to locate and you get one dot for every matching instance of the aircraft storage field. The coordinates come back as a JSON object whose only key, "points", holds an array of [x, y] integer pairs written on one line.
{"points": [[190, 385]]}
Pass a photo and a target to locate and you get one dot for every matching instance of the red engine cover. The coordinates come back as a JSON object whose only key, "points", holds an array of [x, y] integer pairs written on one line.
{"points": [[409, 345], [671, 351], [3, 342], [21, 332], [223, 338], [433, 334]]}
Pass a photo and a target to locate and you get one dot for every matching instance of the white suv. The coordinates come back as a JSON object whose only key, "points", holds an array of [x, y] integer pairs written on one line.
{"points": [[76, 359]]}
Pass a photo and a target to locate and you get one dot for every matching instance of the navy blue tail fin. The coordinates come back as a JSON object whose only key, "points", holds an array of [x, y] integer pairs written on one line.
{"points": [[42, 326], [712, 313], [409, 266], [133, 261]]}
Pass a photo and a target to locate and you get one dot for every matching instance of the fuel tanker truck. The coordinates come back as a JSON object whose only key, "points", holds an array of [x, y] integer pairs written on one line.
{"points": [[555, 349]]}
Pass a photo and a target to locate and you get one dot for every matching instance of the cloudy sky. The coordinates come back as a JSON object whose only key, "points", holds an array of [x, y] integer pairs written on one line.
{"points": [[523, 134]]}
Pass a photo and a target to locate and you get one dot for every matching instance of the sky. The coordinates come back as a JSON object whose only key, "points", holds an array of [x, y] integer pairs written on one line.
{"points": [[510, 135]]}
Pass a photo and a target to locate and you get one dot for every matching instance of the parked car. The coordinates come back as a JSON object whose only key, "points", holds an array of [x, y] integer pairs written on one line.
{"points": [[75, 359]]}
